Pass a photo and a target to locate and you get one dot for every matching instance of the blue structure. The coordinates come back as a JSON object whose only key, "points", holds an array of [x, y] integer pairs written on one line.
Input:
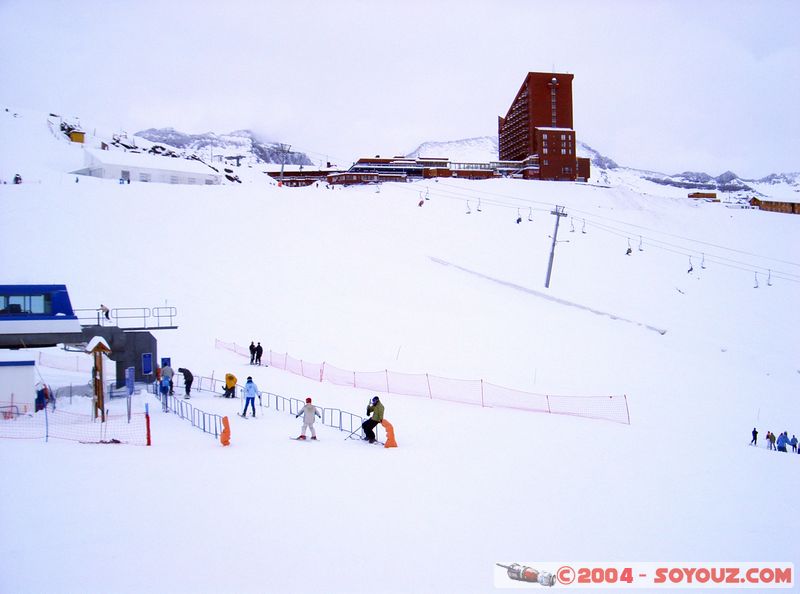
{"points": [[37, 316]]}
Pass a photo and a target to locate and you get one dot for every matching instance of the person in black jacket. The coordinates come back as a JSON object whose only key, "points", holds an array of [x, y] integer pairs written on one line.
{"points": [[188, 378], [259, 352], [252, 353], [755, 437]]}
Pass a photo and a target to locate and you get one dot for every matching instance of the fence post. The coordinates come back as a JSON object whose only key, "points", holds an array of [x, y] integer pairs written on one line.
{"points": [[482, 404], [548, 403], [428, 378], [322, 372], [627, 410], [46, 424], [387, 381], [147, 420]]}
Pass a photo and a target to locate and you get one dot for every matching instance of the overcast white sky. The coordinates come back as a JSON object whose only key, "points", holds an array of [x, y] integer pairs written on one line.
{"points": [[671, 86]]}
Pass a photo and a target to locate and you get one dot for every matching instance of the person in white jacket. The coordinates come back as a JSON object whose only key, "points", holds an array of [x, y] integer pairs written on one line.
{"points": [[250, 392], [309, 412]]}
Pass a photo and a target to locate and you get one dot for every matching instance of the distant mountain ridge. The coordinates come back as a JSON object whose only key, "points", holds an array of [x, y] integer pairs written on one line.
{"points": [[242, 143], [483, 149]]}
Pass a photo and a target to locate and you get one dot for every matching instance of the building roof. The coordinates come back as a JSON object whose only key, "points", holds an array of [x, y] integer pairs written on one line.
{"points": [[554, 129], [778, 199], [128, 159]]}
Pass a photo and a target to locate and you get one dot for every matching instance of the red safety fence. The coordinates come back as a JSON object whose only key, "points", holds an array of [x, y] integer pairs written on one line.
{"points": [[20, 422], [479, 392]]}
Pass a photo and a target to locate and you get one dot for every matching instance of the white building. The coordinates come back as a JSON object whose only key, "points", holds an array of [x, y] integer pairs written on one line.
{"points": [[140, 167]]}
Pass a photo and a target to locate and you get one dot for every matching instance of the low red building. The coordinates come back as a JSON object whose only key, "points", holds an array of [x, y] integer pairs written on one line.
{"points": [[777, 205]]}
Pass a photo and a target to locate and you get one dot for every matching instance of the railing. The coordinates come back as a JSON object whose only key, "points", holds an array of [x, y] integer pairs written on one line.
{"points": [[207, 422], [331, 417], [130, 317]]}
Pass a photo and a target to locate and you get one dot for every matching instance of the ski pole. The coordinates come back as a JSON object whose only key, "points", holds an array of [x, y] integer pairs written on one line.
{"points": [[352, 432]]}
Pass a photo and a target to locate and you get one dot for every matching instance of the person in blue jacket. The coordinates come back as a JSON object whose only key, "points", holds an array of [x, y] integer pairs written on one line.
{"points": [[163, 387], [782, 441], [250, 393]]}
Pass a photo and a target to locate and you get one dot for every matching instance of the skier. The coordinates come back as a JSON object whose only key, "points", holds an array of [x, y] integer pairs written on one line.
{"points": [[105, 311], [250, 392], [230, 386], [259, 352], [793, 443], [375, 408], [188, 378], [755, 437], [252, 353], [163, 387], [309, 412], [167, 372]]}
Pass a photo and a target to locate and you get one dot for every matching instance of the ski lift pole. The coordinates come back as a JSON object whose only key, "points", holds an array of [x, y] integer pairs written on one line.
{"points": [[558, 212]]}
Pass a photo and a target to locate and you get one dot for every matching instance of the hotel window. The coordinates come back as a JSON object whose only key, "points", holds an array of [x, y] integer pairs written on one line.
{"points": [[563, 137], [544, 136], [544, 150], [563, 151]]}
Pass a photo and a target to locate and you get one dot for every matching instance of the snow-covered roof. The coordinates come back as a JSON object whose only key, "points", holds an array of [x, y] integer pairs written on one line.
{"points": [[128, 159], [97, 340], [781, 199]]}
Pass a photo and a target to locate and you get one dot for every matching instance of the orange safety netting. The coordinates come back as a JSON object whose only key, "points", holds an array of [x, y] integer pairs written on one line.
{"points": [[610, 408], [20, 422]]}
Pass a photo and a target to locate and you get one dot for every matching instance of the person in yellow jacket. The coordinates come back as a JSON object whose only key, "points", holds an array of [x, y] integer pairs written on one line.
{"points": [[230, 386], [375, 408]]}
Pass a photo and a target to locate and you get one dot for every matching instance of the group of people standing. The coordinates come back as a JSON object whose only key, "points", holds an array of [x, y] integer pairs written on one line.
{"points": [[166, 385], [779, 443], [255, 353]]}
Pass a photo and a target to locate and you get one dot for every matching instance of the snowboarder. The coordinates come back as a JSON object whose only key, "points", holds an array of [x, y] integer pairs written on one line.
{"points": [[18, 179], [252, 353], [168, 373], [188, 378], [250, 393], [105, 311], [375, 408], [259, 352], [755, 437], [230, 386], [309, 412]]}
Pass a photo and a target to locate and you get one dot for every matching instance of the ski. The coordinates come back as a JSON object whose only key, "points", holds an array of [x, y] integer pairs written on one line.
{"points": [[301, 439]]}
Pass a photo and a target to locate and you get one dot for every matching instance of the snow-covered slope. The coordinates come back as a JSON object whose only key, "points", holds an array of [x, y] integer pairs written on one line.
{"points": [[365, 279]]}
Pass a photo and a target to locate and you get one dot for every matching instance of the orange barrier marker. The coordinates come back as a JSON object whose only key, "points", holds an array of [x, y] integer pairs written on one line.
{"points": [[390, 441], [225, 436]]}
